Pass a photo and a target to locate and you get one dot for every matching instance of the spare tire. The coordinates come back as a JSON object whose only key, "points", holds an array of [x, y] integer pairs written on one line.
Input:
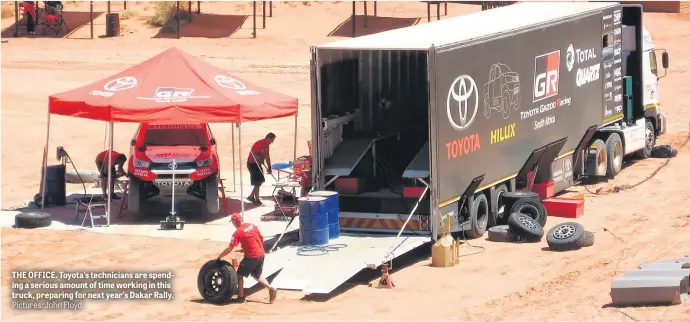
{"points": [[501, 233], [509, 198], [526, 227], [217, 281], [32, 220], [532, 207], [566, 236]]}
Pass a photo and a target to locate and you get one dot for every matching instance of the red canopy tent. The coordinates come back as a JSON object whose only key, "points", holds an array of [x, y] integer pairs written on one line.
{"points": [[172, 87]]}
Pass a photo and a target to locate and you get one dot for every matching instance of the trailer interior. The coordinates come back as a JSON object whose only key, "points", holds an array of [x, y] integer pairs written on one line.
{"points": [[375, 130]]}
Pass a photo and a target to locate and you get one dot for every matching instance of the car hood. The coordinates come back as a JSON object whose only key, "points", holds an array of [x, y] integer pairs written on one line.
{"points": [[166, 154]]}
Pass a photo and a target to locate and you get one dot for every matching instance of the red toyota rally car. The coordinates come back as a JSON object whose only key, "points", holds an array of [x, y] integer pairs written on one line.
{"points": [[150, 167]]}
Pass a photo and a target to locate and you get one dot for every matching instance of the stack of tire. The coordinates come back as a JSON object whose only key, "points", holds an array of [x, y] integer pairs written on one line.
{"points": [[217, 281], [526, 224], [526, 220]]}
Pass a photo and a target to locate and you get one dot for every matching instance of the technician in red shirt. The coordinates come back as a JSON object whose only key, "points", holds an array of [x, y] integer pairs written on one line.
{"points": [[117, 162], [257, 155], [252, 242]]}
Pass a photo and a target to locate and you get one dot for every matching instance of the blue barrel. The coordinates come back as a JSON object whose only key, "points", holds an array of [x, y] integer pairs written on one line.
{"points": [[313, 221], [333, 209]]}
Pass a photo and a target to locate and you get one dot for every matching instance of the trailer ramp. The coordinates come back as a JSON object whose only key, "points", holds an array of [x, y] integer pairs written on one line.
{"points": [[323, 271], [273, 263]]}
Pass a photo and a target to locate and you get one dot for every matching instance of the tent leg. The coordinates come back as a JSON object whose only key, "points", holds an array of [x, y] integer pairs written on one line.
{"points": [[234, 170], [91, 17], [177, 12], [110, 171], [254, 19], [294, 151], [45, 166], [239, 148]]}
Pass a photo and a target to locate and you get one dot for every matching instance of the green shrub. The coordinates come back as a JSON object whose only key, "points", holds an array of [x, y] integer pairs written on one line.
{"points": [[127, 14], [163, 10]]}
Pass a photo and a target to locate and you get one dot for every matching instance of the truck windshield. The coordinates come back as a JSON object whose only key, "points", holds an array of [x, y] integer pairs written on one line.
{"points": [[174, 137]]}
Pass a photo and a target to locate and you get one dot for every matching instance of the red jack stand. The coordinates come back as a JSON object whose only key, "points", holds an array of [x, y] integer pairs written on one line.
{"points": [[386, 280]]}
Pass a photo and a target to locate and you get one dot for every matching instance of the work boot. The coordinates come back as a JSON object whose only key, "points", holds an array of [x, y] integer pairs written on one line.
{"points": [[238, 300], [272, 293], [251, 199]]}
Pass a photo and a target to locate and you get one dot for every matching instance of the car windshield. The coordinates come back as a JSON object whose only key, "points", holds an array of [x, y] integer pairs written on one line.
{"points": [[174, 137]]}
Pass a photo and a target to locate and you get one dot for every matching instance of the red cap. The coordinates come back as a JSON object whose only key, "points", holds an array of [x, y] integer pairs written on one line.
{"points": [[236, 217]]}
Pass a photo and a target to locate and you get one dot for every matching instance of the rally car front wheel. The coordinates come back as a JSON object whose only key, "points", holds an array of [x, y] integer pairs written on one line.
{"points": [[212, 201]]}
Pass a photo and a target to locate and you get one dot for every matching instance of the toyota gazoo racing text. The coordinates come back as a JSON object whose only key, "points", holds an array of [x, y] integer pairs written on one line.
{"points": [[151, 167]]}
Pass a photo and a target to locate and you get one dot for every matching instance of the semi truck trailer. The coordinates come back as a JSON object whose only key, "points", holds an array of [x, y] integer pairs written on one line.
{"points": [[429, 125]]}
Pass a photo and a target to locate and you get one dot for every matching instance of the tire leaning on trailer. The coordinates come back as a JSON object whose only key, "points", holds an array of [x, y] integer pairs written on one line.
{"points": [[32, 219], [531, 207], [509, 198]]}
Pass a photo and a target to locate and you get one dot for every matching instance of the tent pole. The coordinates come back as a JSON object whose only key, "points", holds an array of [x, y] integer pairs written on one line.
{"points": [[234, 171], [110, 171], [294, 151], [239, 148], [45, 165]]}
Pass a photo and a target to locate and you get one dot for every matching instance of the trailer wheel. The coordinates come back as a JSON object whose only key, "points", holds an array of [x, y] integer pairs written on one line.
{"points": [[649, 141], [566, 236], [614, 151], [531, 207], [479, 216], [526, 227], [32, 220], [501, 233], [509, 198], [499, 212], [217, 281]]}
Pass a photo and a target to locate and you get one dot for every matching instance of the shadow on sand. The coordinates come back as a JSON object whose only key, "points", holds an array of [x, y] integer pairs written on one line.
{"points": [[207, 25], [73, 19]]}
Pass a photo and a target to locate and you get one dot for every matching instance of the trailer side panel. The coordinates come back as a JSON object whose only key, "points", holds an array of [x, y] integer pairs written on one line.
{"points": [[499, 99]]}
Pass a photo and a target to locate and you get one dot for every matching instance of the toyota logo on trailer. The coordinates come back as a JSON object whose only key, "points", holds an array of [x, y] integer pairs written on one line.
{"points": [[120, 84], [462, 90]]}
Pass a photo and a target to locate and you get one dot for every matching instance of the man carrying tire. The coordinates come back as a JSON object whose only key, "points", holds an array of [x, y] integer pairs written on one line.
{"points": [[252, 242], [117, 161], [257, 155]]}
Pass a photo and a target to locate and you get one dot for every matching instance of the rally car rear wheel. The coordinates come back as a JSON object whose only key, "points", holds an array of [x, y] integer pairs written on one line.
{"points": [[212, 202]]}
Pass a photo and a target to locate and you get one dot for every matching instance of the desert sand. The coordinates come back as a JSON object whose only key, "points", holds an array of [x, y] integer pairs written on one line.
{"points": [[499, 282]]}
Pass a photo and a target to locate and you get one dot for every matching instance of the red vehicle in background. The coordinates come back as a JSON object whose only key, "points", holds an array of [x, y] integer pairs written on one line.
{"points": [[150, 166]]}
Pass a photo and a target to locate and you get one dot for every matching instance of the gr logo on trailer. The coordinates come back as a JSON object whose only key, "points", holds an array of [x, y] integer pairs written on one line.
{"points": [[546, 70]]}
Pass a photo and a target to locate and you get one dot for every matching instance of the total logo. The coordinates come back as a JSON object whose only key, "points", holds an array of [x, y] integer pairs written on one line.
{"points": [[577, 56], [546, 73]]}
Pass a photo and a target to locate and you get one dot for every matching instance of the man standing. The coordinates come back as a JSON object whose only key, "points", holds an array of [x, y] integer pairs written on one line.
{"points": [[257, 156], [117, 161], [252, 242]]}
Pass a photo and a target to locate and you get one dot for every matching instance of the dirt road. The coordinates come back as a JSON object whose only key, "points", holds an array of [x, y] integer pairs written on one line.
{"points": [[501, 282]]}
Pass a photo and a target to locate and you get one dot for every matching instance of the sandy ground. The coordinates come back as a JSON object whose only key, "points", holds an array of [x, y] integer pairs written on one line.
{"points": [[503, 282]]}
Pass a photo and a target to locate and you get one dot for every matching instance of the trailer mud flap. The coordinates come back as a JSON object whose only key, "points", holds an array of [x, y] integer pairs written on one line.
{"points": [[464, 197], [540, 158], [578, 160]]}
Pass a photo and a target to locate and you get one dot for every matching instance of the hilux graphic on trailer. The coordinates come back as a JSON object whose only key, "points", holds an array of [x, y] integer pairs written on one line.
{"points": [[502, 91]]}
